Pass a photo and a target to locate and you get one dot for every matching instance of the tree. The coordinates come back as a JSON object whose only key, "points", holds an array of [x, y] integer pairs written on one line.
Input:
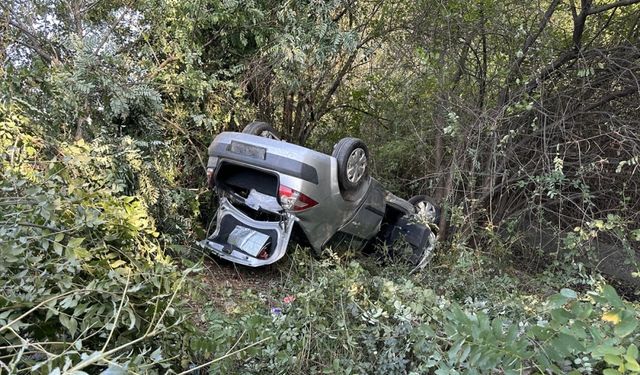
{"points": [[294, 79]]}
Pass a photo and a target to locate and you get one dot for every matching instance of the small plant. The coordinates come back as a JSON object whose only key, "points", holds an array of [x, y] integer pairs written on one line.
{"points": [[86, 283], [337, 317]]}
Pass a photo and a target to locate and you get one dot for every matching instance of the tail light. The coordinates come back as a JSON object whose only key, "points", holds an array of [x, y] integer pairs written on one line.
{"points": [[294, 200]]}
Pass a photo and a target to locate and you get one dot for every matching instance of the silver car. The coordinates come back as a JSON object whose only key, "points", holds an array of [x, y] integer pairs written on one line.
{"points": [[272, 191]]}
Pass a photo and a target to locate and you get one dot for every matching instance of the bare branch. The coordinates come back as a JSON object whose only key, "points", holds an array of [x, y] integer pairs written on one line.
{"points": [[106, 36], [531, 38], [617, 4], [611, 96], [34, 42], [534, 36], [579, 20], [549, 69]]}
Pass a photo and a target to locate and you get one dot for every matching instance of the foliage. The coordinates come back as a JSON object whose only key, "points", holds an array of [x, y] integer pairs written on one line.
{"points": [[497, 99], [85, 278], [340, 318], [520, 117]]}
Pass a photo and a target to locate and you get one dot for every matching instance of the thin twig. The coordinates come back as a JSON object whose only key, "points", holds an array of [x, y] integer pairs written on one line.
{"points": [[152, 331], [117, 315], [36, 307], [224, 356]]}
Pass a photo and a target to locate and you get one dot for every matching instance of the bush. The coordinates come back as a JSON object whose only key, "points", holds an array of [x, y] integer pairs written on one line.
{"points": [[86, 283], [338, 317]]}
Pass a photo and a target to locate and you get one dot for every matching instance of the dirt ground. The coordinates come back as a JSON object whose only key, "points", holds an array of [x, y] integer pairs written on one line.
{"points": [[222, 285]]}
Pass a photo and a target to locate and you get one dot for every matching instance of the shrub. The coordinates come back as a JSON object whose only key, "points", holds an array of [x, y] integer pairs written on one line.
{"points": [[339, 318], [86, 283]]}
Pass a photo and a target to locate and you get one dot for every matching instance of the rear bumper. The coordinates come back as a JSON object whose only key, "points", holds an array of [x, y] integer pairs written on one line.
{"points": [[278, 156], [229, 218]]}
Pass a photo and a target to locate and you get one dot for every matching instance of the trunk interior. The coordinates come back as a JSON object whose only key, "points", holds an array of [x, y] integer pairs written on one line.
{"points": [[240, 180], [237, 181]]}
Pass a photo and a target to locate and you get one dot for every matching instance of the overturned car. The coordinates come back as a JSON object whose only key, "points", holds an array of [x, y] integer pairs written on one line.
{"points": [[271, 192]]}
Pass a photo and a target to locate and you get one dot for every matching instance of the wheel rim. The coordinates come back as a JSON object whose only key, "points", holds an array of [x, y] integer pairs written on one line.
{"points": [[269, 134], [425, 211], [356, 165]]}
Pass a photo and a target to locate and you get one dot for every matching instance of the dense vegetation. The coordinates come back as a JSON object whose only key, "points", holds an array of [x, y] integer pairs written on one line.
{"points": [[519, 117]]}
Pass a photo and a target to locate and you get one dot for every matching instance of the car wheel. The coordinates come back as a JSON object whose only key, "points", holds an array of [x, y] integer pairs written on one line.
{"points": [[426, 209], [262, 129], [353, 163]]}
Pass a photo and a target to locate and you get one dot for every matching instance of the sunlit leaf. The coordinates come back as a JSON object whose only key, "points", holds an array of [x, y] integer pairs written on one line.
{"points": [[611, 317]]}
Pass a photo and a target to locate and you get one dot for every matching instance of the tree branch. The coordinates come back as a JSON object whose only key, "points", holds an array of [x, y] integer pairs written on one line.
{"points": [[107, 34], [162, 65], [534, 36], [604, 8], [344, 11], [579, 20], [549, 69], [34, 42], [607, 98], [25, 224], [531, 38]]}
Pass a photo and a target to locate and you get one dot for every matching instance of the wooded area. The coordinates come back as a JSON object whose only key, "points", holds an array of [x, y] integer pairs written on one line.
{"points": [[519, 118]]}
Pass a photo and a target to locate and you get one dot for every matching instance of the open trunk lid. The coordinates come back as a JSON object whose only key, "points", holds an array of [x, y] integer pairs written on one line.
{"points": [[245, 240]]}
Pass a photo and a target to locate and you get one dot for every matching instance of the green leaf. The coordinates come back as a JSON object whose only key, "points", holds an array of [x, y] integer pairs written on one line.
{"points": [[625, 327], [568, 293], [567, 343], [633, 365], [610, 372], [453, 352], [69, 323], [604, 349], [69, 302], [496, 327], [117, 263], [561, 316], [512, 333], [156, 356], [57, 248], [613, 360], [582, 310], [612, 296], [557, 300], [632, 352], [75, 242], [81, 253]]}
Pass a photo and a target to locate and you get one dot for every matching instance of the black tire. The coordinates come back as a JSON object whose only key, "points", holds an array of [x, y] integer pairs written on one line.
{"points": [[430, 206], [353, 163], [262, 129]]}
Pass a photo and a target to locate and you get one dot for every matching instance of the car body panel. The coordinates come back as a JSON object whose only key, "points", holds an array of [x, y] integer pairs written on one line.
{"points": [[227, 212], [366, 221]]}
